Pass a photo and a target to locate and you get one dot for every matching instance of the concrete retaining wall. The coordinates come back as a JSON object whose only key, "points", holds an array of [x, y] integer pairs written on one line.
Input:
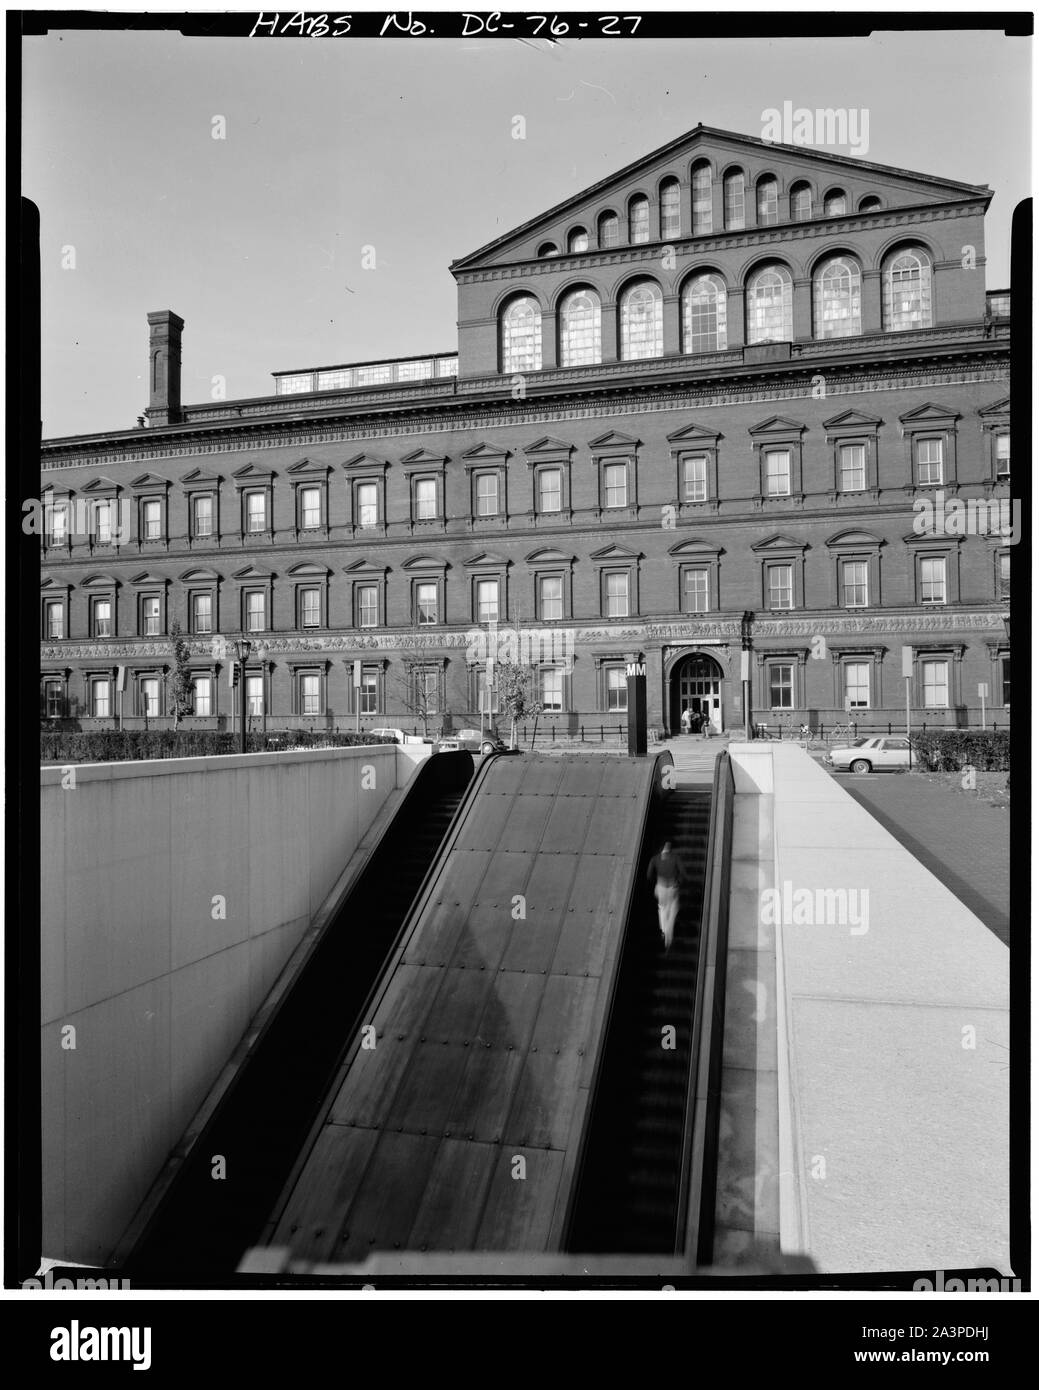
{"points": [[173, 893]]}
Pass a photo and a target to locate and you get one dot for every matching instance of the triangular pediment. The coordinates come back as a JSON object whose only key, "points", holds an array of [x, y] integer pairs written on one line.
{"points": [[615, 552], [101, 486], [780, 542], [778, 424], [487, 560], [790, 156], [366, 463], [548, 445], [364, 567], [196, 478], [928, 412], [252, 473], [613, 439], [148, 578], [694, 434], [308, 466], [422, 458], [490, 452], [150, 480], [251, 572], [1000, 407], [853, 420]]}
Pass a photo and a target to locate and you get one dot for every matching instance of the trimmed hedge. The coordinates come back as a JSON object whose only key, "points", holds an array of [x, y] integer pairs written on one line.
{"points": [[111, 746], [949, 750]]}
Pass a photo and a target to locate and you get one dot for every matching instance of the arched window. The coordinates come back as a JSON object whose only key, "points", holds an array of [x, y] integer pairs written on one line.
{"points": [[835, 204], [670, 210], [580, 329], [642, 322], [768, 201], [770, 316], [547, 248], [638, 220], [735, 216], [869, 204], [521, 336], [577, 239], [907, 290], [800, 202], [703, 314], [703, 217], [609, 230], [837, 299]]}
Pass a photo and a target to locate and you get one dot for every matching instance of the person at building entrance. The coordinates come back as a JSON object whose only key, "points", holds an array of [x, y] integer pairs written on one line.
{"points": [[665, 874], [687, 720]]}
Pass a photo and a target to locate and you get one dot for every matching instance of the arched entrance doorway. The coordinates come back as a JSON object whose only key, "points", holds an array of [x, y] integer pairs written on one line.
{"points": [[696, 684]]}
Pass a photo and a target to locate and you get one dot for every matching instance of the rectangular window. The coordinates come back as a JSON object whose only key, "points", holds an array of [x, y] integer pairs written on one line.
{"points": [[99, 699], [703, 213], [310, 507], [426, 602], [733, 196], [616, 690], [932, 580], [427, 690], [768, 203], [777, 472], [52, 701], [695, 478], [781, 686], [202, 511], [696, 591], [928, 461], [551, 682], [202, 687], [150, 616], [367, 504], [202, 612], [487, 494], [310, 607], [1005, 667], [256, 511], [615, 485], [481, 693], [1002, 456], [254, 696], [856, 685], [369, 692], [310, 694], [375, 376], [781, 586], [853, 468], [935, 678], [58, 524], [367, 605], [103, 523], [550, 490], [1004, 577], [550, 598], [54, 619], [102, 609], [425, 499], [152, 520], [150, 697], [616, 596], [414, 371], [340, 380], [854, 583], [486, 600], [255, 611]]}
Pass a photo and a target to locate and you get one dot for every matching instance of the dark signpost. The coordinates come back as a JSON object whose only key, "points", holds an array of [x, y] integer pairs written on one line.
{"points": [[636, 673]]}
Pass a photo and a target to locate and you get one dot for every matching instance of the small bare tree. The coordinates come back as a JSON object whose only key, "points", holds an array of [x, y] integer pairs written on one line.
{"points": [[514, 685], [418, 687]]}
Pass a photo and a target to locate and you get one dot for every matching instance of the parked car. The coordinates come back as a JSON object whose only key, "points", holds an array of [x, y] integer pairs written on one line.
{"points": [[397, 735], [872, 754], [475, 740]]}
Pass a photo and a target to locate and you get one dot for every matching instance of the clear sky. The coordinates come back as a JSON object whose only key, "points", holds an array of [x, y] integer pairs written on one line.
{"points": [[406, 146]]}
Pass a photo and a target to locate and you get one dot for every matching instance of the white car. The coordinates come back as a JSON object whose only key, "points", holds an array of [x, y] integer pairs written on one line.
{"points": [[871, 754], [397, 735]]}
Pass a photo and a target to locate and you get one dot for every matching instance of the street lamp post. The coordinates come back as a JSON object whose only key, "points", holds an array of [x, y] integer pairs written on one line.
{"points": [[746, 645], [242, 648]]}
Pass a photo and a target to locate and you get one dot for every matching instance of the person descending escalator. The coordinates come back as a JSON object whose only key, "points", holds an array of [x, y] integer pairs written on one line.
{"points": [[665, 873]]}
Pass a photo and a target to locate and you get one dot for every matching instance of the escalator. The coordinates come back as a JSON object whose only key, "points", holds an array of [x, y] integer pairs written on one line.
{"points": [[629, 1194], [210, 1212]]}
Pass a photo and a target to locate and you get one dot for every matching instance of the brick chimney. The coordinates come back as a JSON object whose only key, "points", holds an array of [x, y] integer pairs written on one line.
{"points": [[164, 330]]}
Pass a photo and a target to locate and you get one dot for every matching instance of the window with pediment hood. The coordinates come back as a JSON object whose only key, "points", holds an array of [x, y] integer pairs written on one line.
{"points": [[935, 568], [704, 314], [642, 321], [201, 589], [103, 515], [618, 570], [488, 588], [779, 443], [770, 305], [551, 572], [310, 583], [310, 487], [150, 597], [255, 488], [580, 328], [548, 460], [837, 298], [486, 468], [929, 433], [694, 454], [906, 276], [151, 497], [855, 568], [782, 561], [102, 594], [697, 573], [425, 472], [255, 599], [427, 577], [202, 494], [521, 335], [853, 437], [995, 425], [366, 480], [367, 582], [614, 456]]}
